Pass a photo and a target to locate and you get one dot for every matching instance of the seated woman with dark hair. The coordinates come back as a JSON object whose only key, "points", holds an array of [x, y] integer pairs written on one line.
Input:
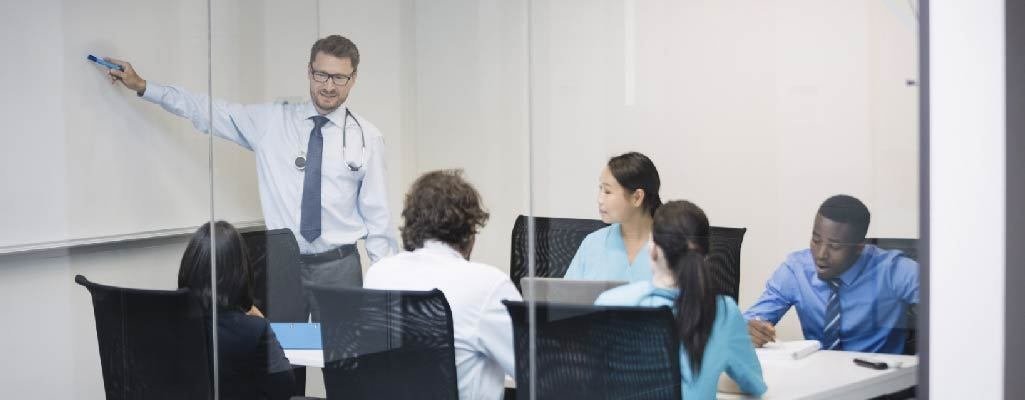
{"points": [[251, 363], [441, 217], [627, 199], [713, 334]]}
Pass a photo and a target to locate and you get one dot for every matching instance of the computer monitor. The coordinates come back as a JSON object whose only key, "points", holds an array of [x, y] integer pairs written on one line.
{"points": [[570, 291]]}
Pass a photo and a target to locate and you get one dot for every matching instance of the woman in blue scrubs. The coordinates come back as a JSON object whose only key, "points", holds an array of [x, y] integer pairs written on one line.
{"points": [[627, 199], [713, 333]]}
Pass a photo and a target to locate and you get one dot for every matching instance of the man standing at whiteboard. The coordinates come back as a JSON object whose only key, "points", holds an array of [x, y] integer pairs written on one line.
{"points": [[320, 165]]}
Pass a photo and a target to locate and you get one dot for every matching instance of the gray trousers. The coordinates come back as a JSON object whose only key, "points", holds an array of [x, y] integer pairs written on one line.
{"points": [[341, 269]]}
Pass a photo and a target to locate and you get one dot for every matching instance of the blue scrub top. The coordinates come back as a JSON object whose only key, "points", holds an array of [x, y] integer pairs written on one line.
{"points": [[729, 348], [602, 257]]}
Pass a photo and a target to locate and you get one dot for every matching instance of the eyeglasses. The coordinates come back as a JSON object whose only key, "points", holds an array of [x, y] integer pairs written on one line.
{"points": [[338, 79]]}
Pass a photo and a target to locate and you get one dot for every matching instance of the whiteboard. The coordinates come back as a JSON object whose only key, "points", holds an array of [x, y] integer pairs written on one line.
{"points": [[82, 159]]}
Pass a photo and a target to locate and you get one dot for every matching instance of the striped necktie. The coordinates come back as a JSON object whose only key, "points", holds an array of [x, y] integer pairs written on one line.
{"points": [[831, 332]]}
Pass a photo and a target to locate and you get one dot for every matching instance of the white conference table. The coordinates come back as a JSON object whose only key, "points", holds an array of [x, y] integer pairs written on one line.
{"points": [[315, 358], [821, 375], [833, 375]]}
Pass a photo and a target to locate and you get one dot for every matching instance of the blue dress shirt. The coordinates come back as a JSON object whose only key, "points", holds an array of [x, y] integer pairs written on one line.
{"points": [[602, 257], [729, 348], [354, 203], [874, 298]]}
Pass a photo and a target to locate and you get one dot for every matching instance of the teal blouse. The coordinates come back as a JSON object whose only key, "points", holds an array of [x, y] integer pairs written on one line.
{"points": [[602, 257], [729, 348]]}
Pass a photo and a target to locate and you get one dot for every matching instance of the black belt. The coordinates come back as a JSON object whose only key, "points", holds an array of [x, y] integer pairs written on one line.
{"points": [[336, 253]]}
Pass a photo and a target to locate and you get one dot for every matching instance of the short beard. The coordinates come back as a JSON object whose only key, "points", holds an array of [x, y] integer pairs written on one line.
{"points": [[313, 97]]}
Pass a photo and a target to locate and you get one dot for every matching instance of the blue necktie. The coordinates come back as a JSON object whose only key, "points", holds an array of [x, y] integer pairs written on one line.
{"points": [[309, 222], [831, 332]]}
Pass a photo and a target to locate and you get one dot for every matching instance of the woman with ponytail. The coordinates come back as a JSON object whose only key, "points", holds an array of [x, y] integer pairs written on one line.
{"points": [[713, 334], [627, 199]]}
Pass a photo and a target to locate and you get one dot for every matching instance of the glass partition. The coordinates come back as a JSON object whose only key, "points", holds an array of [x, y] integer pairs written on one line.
{"points": [[401, 89], [755, 114], [259, 54], [366, 153], [103, 191]]}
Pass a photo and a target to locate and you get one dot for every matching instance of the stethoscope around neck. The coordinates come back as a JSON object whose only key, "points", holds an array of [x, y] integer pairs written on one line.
{"points": [[300, 160]]}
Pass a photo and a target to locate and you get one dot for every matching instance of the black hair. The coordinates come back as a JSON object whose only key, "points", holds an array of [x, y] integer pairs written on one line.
{"points": [[847, 210], [635, 171], [234, 273], [681, 230]]}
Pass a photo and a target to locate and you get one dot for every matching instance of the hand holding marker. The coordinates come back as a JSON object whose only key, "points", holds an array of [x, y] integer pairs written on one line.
{"points": [[121, 71], [101, 61]]}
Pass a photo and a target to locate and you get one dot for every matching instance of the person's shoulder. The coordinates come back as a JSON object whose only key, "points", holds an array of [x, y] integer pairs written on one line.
{"points": [[727, 306], [369, 129], [799, 261], [485, 273], [895, 258], [288, 106], [244, 326], [475, 285], [628, 294], [728, 313], [895, 263], [287, 109], [394, 259], [387, 265], [387, 262], [599, 236]]}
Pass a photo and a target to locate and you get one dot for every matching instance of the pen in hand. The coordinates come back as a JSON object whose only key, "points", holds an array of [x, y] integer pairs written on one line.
{"points": [[761, 331]]}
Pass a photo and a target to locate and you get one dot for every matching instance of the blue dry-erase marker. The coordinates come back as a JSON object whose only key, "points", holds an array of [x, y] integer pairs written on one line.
{"points": [[105, 63]]}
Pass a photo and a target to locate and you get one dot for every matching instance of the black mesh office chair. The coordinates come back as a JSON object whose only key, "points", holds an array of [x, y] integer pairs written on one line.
{"points": [[277, 283], [724, 257], [596, 352], [556, 242], [386, 344], [907, 246], [910, 249], [153, 343]]}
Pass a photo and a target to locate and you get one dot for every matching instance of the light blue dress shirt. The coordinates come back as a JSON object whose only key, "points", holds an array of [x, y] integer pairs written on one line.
{"points": [[602, 257], [874, 298], [729, 348], [354, 204]]}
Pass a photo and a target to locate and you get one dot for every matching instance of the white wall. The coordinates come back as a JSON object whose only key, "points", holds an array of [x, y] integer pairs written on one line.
{"points": [[967, 201], [756, 111], [471, 106]]}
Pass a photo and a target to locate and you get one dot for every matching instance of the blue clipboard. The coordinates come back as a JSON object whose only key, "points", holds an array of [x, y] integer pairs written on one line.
{"points": [[297, 336]]}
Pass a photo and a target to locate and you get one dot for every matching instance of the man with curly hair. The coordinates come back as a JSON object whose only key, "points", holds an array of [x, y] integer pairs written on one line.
{"points": [[441, 217]]}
